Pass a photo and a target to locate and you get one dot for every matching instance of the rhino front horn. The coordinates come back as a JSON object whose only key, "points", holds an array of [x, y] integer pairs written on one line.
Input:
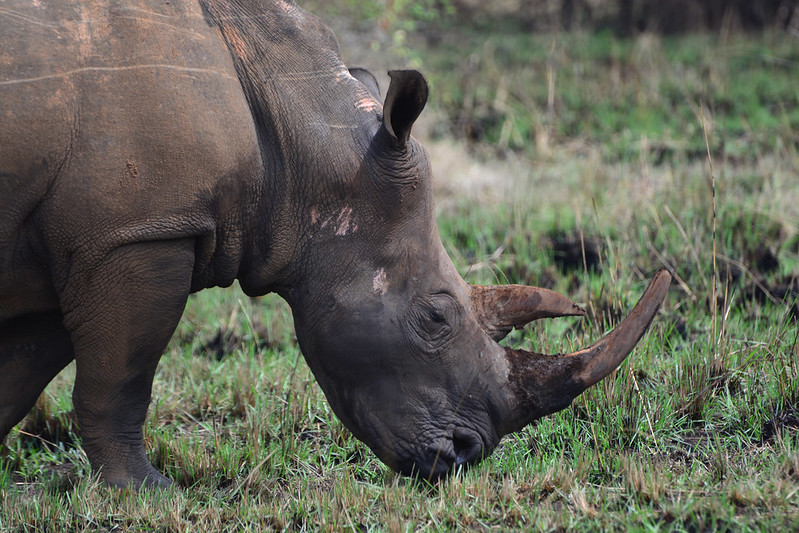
{"points": [[542, 384]]}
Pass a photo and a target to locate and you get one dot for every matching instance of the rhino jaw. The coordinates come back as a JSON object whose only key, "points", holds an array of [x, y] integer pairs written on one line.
{"points": [[541, 384]]}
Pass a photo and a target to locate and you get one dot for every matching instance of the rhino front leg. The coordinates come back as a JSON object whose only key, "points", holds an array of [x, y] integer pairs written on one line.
{"points": [[33, 349], [121, 318]]}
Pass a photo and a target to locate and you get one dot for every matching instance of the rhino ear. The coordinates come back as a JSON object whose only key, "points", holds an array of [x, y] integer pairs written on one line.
{"points": [[367, 78], [407, 96]]}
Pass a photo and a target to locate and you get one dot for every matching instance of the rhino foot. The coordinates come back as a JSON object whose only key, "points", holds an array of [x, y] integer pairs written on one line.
{"points": [[152, 480], [126, 467]]}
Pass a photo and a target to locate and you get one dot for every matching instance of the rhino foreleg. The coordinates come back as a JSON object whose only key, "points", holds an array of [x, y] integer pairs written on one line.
{"points": [[33, 349], [125, 312]]}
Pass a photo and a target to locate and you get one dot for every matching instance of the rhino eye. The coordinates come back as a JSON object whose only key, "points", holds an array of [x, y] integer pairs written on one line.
{"points": [[437, 316], [433, 320]]}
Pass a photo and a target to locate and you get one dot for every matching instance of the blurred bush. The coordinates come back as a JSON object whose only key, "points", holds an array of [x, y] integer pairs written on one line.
{"points": [[625, 17]]}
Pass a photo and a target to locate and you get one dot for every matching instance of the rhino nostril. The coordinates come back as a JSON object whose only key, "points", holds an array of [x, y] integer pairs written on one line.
{"points": [[440, 458], [467, 446]]}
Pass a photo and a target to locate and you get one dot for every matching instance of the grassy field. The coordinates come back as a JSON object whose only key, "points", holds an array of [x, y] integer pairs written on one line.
{"points": [[579, 162]]}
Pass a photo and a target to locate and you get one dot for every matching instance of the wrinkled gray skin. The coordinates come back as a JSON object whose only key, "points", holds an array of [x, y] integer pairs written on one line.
{"points": [[151, 149]]}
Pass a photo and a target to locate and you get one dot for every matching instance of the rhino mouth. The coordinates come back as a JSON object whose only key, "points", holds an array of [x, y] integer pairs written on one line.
{"points": [[445, 455]]}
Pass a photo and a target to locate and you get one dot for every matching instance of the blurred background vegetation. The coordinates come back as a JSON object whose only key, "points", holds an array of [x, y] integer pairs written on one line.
{"points": [[522, 75], [625, 17], [607, 98]]}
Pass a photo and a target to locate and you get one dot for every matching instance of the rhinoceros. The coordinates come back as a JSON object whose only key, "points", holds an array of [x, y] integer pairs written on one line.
{"points": [[151, 149]]}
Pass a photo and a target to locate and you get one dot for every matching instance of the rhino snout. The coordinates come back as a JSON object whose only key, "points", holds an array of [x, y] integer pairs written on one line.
{"points": [[445, 454]]}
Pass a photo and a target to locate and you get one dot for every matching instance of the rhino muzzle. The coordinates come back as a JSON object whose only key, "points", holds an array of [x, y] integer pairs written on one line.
{"points": [[446, 454]]}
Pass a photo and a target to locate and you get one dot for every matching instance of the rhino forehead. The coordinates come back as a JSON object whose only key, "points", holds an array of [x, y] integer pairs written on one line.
{"points": [[365, 101]]}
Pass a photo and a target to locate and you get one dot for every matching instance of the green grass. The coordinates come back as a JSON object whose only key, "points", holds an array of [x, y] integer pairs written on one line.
{"points": [[697, 430]]}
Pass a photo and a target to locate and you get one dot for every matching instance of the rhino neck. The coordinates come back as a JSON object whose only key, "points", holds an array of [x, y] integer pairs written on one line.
{"points": [[312, 119], [301, 95]]}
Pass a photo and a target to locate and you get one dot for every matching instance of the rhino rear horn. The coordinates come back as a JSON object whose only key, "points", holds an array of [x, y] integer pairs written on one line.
{"points": [[542, 384], [405, 100], [500, 308]]}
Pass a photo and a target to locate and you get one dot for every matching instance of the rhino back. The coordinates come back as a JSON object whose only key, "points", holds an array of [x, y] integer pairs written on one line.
{"points": [[121, 121]]}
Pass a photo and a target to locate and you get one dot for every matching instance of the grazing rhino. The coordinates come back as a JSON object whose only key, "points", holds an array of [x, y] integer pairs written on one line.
{"points": [[151, 149]]}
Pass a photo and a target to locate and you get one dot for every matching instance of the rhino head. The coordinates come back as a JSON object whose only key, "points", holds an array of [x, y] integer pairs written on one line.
{"points": [[404, 349]]}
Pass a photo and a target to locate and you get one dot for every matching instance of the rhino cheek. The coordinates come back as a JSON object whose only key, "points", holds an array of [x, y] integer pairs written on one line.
{"points": [[378, 415]]}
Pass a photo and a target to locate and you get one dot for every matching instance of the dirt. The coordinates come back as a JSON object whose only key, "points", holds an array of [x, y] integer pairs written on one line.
{"points": [[784, 422], [576, 252], [225, 341], [755, 281]]}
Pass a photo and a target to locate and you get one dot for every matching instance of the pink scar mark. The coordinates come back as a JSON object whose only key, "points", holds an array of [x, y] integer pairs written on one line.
{"points": [[285, 6], [344, 223], [367, 103], [380, 282]]}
